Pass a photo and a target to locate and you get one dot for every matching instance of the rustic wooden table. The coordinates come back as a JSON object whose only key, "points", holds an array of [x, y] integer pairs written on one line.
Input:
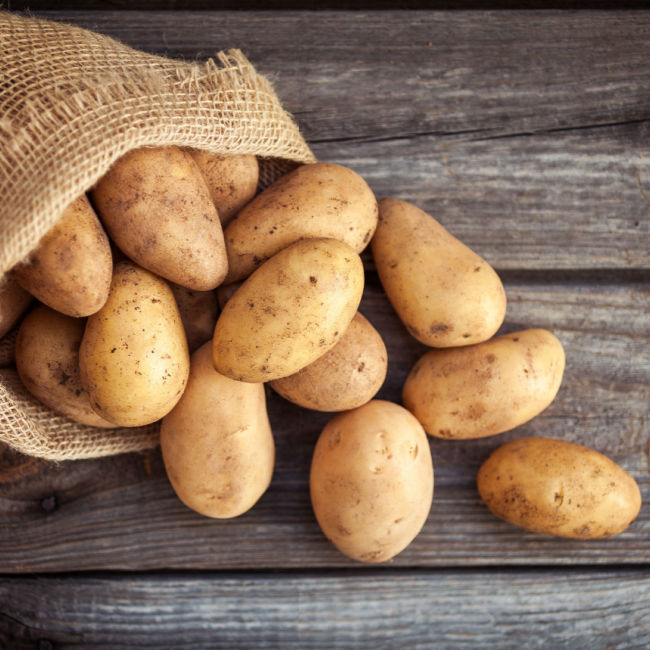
{"points": [[526, 135]]}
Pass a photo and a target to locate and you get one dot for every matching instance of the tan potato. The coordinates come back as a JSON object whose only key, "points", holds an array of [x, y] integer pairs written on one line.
{"points": [[371, 481], [485, 389], [315, 200], [232, 180], [444, 293], [133, 357], [217, 442], [199, 311], [157, 208], [347, 376], [47, 360], [14, 301], [70, 270], [289, 312], [559, 488]]}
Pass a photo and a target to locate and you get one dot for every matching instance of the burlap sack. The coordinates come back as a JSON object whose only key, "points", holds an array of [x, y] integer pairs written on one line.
{"points": [[71, 103]]}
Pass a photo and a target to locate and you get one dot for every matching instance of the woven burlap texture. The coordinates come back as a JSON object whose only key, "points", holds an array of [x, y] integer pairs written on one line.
{"points": [[71, 103]]}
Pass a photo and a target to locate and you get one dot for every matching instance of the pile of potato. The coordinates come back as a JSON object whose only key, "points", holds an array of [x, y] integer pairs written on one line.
{"points": [[110, 346]]}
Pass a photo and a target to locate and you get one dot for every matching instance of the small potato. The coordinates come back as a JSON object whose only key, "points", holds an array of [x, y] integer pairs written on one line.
{"points": [[559, 488], [217, 442], [70, 270], [14, 300], [199, 311], [443, 292], [315, 200], [485, 389], [347, 376], [157, 208], [133, 357], [47, 360], [371, 481], [232, 180], [291, 311]]}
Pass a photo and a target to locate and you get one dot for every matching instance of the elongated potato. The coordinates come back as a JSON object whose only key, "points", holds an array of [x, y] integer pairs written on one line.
{"points": [[133, 357], [485, 389], [157, 208], [199, 311], [313, 201], [71, 269], [232, 180], [291, 311], [444, 293], [217, 442], [47, 360], [560, 488], [371, 481], [346, 377], [14, 300]]}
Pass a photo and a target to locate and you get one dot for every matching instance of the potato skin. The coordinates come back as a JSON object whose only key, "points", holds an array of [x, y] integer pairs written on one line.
{"points": [[157, 208], [558, 488], [371, 481], [232, 180], [133, 357], [346, 377], [291, 311], [71, 268], [14, 301], [443, 292], [47, 360], [217, 442], [485, 389], [313, 201], [199, 311]]}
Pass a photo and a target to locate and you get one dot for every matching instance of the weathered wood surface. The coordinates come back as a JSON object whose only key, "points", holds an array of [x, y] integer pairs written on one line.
{"points": [[121, 513], [409, 609]]}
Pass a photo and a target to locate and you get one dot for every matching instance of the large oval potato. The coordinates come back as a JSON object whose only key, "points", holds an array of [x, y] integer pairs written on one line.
{"points": [[71, 268], [291, 311], [443, 292], [485, 389], [346, 377], [157, 208], [314, 200], [47, 360], [133, 357], [232, 180], [199, 311], [371, 481], [559, 488], [14, 301], [217, 442]]}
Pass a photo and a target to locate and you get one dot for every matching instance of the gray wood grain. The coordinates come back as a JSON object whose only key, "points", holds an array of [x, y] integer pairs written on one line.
{"points": [[121, 513], [525, 133], [409, 609]]}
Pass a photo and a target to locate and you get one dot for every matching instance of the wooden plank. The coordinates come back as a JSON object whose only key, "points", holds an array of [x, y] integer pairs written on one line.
{"points": [[533, 609], [121, 513], [525, 133]]}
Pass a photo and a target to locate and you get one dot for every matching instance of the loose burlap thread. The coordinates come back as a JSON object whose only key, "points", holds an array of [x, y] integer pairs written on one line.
{"points": [[71, 103]]}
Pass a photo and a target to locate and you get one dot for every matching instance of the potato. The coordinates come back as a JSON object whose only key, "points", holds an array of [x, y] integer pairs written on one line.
{"points": [[47, 360], [225, 292], [558, 488], [217, 442], [14, 300], [371, 481], [133, 357], [199, 311], [291, 311], [444, 293], [157, 208], [485, 389], [347, 376], [70, 270], [232, 180], [314, 200]]}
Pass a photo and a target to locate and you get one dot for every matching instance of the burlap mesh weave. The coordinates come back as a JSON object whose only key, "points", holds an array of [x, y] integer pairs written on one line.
{"points": [[71, 103]]}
